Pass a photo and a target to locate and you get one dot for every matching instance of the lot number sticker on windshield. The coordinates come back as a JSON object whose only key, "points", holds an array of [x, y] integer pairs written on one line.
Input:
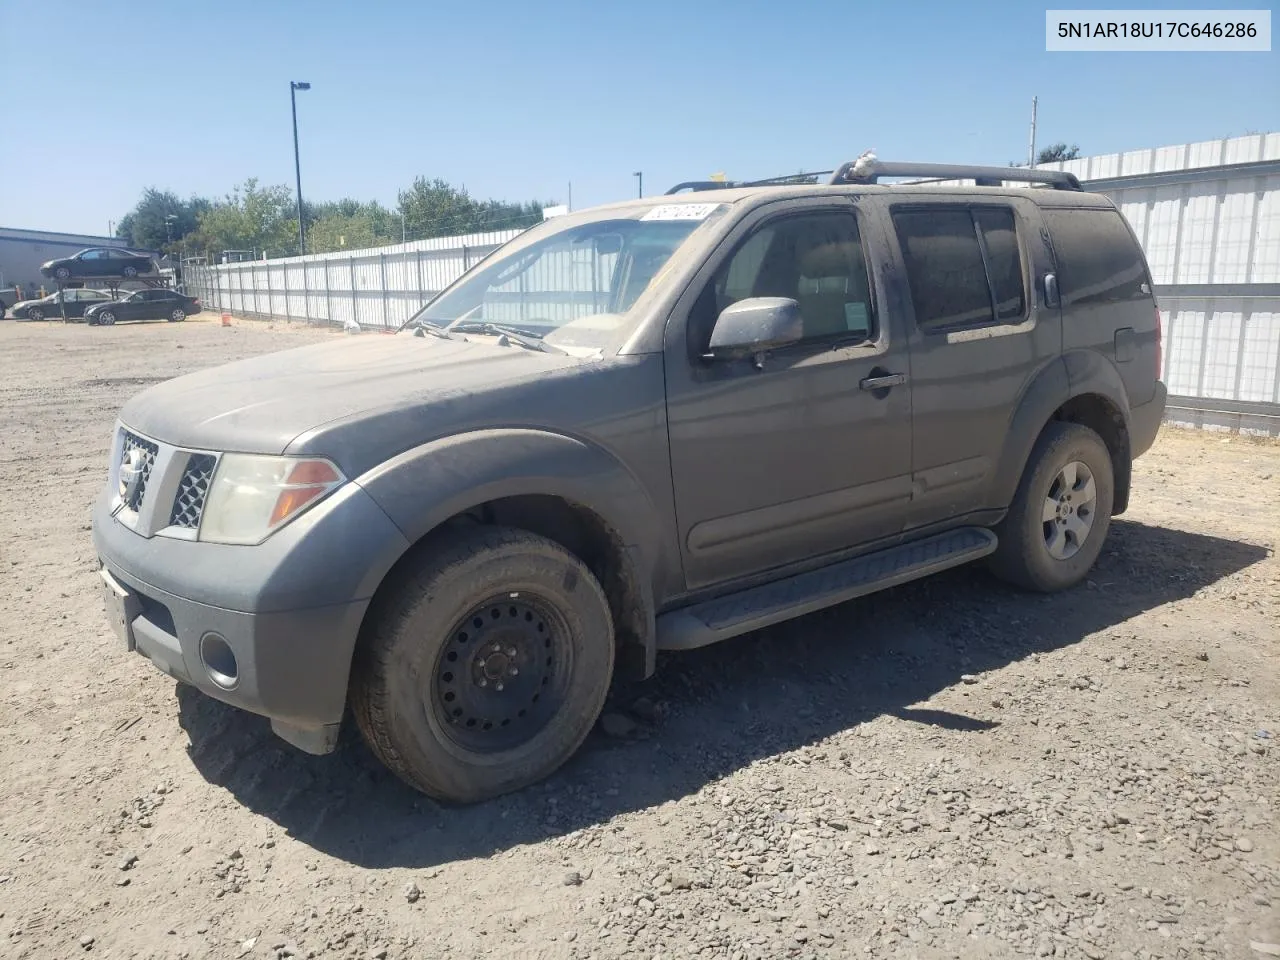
{"points": [[681, 211]]}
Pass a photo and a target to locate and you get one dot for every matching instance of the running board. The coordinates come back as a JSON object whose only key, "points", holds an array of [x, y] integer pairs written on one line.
{"points": [[725, 617]]}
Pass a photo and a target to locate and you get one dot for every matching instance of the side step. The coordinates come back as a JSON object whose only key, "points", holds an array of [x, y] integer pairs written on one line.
{"points": [[770, 603]]}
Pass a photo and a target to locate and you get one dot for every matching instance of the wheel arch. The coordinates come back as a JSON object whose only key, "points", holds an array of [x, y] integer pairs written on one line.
{"points": [[556, 486], [1084, 388]]}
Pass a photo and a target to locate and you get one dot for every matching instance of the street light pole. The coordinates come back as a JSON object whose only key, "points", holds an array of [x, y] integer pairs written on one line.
{"points": [[639, 175], [294, 87]]}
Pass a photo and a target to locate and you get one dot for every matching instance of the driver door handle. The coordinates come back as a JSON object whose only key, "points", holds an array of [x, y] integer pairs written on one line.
{"points": [[883, 382]]}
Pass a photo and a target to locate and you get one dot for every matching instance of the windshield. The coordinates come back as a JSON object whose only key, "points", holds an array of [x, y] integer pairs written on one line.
{"points": [[577, 282]]}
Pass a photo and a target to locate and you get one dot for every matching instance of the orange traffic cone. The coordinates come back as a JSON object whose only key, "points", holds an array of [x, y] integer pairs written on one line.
{"points": [[226, 319]]}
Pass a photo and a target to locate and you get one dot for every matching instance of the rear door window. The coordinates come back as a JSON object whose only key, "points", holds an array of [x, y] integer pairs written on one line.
{"points": [[963, 264], [1098, 259]]}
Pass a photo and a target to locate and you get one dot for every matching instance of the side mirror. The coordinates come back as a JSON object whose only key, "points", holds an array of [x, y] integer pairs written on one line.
{"points": [[753, 327]]}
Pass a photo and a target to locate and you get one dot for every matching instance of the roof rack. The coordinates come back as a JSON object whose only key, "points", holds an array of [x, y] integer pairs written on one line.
{"points": [[870, 170], [867, 169]]}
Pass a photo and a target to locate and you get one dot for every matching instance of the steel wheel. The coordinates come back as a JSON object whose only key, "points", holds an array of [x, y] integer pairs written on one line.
{"points": [[1069, 510], [503, 674], [106, 318]]}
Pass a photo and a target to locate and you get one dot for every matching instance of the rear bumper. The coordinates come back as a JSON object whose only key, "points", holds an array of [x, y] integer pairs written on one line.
{"points": [[1145, 420]]}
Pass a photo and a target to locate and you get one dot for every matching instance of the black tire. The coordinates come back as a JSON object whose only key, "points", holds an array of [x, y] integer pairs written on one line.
{"points": [[62, 273], [428, 687], [35, 313], [105, 319], [178, 315], [129, 272], [1025, 556]]}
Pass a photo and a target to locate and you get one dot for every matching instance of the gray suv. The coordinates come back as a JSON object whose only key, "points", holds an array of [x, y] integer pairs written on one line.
{"points": [[647, 426]]}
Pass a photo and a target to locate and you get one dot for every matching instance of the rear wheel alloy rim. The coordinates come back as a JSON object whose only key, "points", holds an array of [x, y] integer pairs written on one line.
{"points": [[503, 674], [1069, 510], [177, 316]]}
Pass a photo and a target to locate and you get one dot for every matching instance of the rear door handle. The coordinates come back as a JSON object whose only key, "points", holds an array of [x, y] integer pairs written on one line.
{"points": [[883, 382]]}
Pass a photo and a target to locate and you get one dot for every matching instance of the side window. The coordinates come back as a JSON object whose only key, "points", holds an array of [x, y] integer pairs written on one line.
{"points": [[815, 259], [1098, 260], [952, 283], [1003, 262], [91, 255]]}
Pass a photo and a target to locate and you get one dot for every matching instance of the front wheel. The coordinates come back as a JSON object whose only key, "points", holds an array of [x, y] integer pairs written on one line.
{"points": [[1059, 518], [62, 273], [484, 664], [130, 272], [177, 316], [35, 313], [106, 318]]}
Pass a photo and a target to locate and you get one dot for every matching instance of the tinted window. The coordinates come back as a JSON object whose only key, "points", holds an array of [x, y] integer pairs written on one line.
{"points": [[1098, 260], [1003, 262], [944, 267], [814, 259]]}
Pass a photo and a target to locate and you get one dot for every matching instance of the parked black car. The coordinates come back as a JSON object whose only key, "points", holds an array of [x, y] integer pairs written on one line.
{"points": [[98, 262], [144, 305], [77, 302]]}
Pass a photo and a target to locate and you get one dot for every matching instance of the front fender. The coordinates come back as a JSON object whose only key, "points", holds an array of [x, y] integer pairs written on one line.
{"points": [[425, 486]]}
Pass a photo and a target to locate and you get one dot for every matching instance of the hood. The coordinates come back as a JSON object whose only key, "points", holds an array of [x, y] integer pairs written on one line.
{"points": [[261, 404]]}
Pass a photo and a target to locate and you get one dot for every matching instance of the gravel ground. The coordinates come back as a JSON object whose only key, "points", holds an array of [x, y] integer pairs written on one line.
{"points": [[949, 769]]}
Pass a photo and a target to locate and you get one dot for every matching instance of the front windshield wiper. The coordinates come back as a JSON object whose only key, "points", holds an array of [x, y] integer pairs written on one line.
{"points": [[532, 341], [421, 326]]}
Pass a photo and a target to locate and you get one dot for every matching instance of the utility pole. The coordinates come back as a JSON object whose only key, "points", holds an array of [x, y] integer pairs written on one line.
{"points": [[294, 87], [639, 183], [1031, 150]]}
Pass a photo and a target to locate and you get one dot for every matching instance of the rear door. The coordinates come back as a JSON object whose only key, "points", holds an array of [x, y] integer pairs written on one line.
{"points": [[978, 336], [1108, 306]]}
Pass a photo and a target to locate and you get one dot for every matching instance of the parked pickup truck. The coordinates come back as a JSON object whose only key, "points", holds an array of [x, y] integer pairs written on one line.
{"points": [[646, 426]]}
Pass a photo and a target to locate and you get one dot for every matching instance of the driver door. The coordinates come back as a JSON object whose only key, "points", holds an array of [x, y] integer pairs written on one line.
{"points": [[777, 465]]}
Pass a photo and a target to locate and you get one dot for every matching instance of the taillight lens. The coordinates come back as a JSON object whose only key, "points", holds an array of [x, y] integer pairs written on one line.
{"points": [[1159, 345]]}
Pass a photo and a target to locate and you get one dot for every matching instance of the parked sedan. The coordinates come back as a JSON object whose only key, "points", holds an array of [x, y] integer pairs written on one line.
{"points": [[144, 305], [78, 301], [98, 262]]}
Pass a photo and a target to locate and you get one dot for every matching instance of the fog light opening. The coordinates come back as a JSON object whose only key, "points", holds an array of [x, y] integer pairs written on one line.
{"points": [[219, 660]]}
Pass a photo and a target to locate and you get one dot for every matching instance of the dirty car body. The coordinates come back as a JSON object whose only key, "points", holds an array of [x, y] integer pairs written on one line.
{"points": [[721, 410]]}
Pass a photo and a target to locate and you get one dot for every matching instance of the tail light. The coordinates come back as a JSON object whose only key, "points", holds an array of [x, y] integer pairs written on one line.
{"points": [[196, 301], [1159, 345]]}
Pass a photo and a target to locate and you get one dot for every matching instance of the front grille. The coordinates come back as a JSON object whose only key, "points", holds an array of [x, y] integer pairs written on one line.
{"points": [[192, 490], [143, 460]]}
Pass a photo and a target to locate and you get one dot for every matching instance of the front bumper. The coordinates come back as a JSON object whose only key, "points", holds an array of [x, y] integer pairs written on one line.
{"points": [[269, 628]]}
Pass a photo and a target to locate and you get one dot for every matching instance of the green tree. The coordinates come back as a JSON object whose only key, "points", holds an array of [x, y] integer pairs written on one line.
{"points": [[339, 232], [249, 218], [434, 208], [1057, 151], [147, 225]]}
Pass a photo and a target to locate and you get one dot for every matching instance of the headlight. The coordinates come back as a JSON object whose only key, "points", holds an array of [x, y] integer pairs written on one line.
{"points": [[253, 496]]}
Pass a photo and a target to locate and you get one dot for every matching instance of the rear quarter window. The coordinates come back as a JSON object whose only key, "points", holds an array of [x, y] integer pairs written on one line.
{"points": [[1098, 259]]}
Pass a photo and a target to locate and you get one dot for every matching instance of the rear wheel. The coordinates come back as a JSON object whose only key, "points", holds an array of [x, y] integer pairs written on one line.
{"points": [[178, 315], [130, 272], [1059, 518], [106, 318], [484, 664], [35, 313]]}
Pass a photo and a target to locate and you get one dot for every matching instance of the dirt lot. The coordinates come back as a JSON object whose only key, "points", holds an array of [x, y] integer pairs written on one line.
{"points": [[951, 769]]}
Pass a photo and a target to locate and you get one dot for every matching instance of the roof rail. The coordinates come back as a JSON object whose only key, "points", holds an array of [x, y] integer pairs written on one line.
{"points": [[870, 170]]}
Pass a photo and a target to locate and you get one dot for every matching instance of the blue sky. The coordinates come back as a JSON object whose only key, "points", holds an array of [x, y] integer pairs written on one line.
{"points": [[516, 99]]}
